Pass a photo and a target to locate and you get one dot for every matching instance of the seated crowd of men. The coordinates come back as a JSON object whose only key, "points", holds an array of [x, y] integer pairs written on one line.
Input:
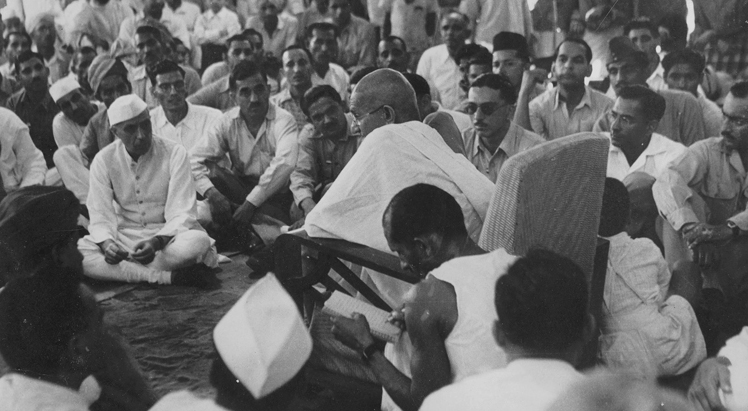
{"points": [[304, 123]]}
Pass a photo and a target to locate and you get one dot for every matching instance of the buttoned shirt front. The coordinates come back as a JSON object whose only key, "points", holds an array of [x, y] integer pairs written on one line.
{"points": [[707, 169], [141, 84], [551, 118], [443, 75], [21, 163], [495, 16], [653, 160], [68, 132], [216, 94], [283, 36], [190, 130], [209, 26], [38, 115], [270, 156], [153, 194], [321, 160], [286, 102], [187, 12], [515, 141], [357, 44]]}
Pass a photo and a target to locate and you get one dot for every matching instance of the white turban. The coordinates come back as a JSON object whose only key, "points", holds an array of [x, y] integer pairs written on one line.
{"points": [[63, 87], [125, 108], [262, 339]]}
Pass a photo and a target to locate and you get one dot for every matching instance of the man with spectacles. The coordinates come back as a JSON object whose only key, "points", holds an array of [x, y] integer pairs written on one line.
{"points": [[261, 141], [703, 195], [142, 203], [634, 144], [683, 120], [494, 137]]}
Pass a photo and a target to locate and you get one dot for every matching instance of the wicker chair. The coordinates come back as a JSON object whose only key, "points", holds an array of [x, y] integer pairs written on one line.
{"points": [[550, 196]]}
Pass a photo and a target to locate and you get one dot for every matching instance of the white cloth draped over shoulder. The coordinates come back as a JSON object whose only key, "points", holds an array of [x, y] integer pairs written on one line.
{"points": [[390, 159]]}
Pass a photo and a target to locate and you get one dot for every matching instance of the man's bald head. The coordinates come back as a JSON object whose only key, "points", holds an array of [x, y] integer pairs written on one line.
{"points": [[383, 97]]}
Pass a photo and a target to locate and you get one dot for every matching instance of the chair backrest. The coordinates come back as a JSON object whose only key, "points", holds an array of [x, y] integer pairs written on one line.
{"points": [[550, 196]]}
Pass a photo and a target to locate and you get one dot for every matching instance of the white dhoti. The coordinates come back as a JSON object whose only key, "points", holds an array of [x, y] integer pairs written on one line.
{"points": [[185, 249]]}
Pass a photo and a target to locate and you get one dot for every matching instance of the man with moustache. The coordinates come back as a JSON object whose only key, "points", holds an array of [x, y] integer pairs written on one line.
{"points": [[494, 137], [393, 54], [35, 107], [702, 194], [297, 68]]}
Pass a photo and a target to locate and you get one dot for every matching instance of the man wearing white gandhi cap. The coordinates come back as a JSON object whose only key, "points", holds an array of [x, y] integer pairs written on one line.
{"points": [[67, 128], [143, 208], [262, 346]]}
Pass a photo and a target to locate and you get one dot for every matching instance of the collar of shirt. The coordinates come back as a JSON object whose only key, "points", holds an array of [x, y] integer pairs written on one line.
{"points": [[350, 133], [224, 84], [235, 115], [444, 56], [657, 145], [508, 144], [159, 118], [283, 96], [732, 157], [586, 99]]}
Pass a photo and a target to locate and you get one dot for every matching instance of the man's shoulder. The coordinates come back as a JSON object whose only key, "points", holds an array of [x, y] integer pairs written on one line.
{"points": [[10, 118], [434, 52], [529, 138], [667, 144], [498, 259], [362, 24], [197, 110], [678, 97], [543, 98]]}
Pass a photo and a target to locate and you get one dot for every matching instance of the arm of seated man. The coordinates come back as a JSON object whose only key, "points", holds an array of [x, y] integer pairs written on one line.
{"points": [[430, 314]]}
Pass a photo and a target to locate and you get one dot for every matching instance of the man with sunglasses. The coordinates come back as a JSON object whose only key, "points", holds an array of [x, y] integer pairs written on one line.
{"points": [[494, 137], [703, 196], [260, 138]]}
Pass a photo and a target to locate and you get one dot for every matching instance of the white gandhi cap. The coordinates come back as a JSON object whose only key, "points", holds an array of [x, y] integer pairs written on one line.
{"points": [[125, 108], [262, 339], [62, 87]]}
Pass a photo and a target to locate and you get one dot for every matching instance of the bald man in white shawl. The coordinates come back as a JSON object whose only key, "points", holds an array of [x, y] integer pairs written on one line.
{"points": [[398, 151]]}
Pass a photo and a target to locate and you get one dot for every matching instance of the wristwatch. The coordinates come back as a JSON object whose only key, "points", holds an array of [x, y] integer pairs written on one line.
{"points": [[368, 352], [735, 229]]}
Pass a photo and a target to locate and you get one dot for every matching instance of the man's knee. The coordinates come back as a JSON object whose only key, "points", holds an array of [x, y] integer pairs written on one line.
{"points": [[192, 242]]}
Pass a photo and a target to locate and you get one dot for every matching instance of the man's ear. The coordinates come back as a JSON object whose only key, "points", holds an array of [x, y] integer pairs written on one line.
{"points": [[652, 126], [588, 70], [498, 334], [389, 114]]}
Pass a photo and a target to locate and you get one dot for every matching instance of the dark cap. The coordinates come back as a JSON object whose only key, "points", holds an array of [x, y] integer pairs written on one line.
{"points": [[622, 49], [507, 40]]}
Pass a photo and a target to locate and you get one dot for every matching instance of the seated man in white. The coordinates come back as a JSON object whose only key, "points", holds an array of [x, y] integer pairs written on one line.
{"points": [[261, 139], [21, 163], [424, 226], [398, 151], [634, 145], [648, 326], [76, 110], [542, 326], [142, 206]]}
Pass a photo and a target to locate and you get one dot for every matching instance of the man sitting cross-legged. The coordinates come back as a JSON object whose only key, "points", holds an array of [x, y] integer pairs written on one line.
{"points": [[260, 138], [151, 234], [424, 226], [542, 327]]}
